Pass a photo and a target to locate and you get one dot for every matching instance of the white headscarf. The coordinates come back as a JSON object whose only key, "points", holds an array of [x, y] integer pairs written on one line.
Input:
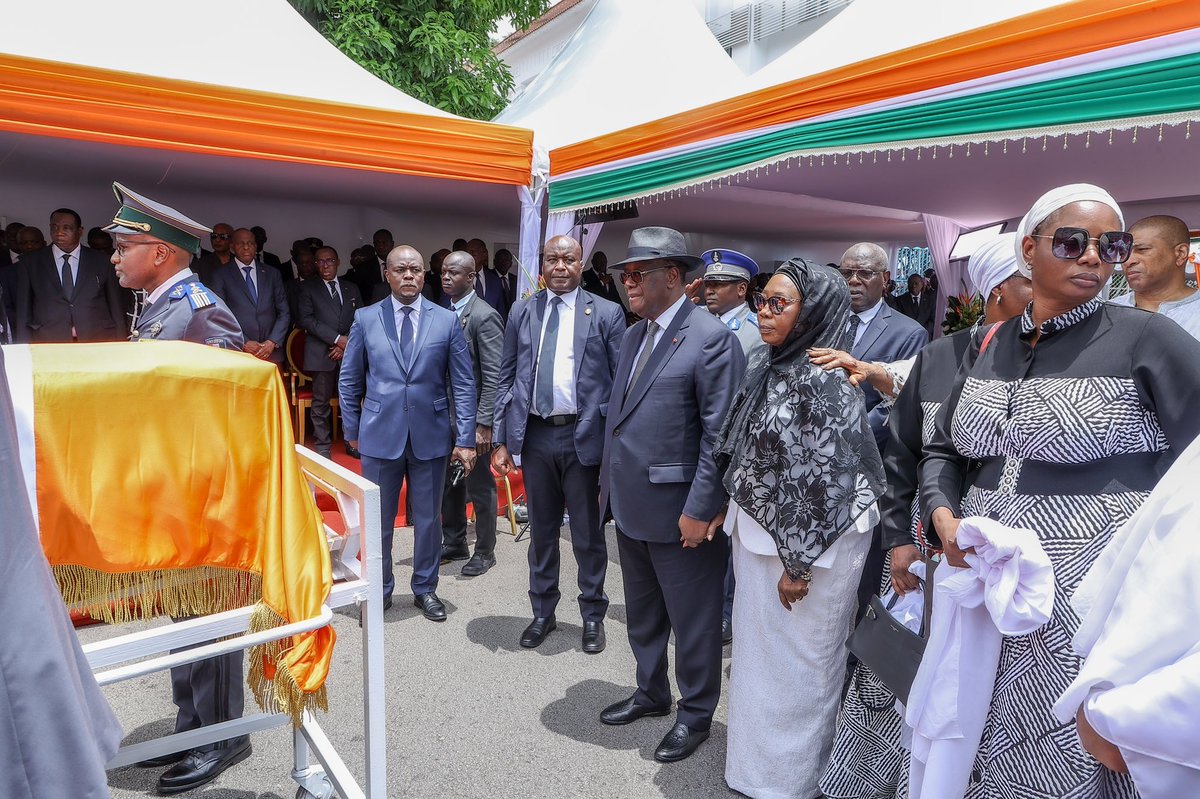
{"points": [[1050, 202], [993, 263]]}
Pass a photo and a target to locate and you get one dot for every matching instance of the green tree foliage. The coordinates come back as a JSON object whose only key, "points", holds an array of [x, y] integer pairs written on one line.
{"points": [[435, 50]]}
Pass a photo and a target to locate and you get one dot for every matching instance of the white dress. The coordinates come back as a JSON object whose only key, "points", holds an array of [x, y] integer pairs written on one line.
{"points": [[788, 667]]}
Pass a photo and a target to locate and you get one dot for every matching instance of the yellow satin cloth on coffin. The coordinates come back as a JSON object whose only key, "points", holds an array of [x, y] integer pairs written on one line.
{"points": [[167, 483]]}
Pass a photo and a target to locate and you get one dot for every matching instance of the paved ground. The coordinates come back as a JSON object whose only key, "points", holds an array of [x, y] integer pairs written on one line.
{"points": [[470, 713]]}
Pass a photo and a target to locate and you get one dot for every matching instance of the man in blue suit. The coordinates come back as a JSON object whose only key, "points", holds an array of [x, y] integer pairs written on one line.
{"points": [[883, 335], [556, 373], [404, 359], [254, 292], [678, 372]]}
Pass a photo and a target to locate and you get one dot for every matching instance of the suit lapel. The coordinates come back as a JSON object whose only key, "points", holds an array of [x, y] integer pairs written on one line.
{"points": [[389, 327], [664, 348], [422, 329], [874, 331], [536, 309], [583, 327]]}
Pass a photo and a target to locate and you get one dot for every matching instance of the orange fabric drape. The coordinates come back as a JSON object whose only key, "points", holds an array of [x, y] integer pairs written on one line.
{"points": [[50, 98], [1051, 34], [167, 481]]}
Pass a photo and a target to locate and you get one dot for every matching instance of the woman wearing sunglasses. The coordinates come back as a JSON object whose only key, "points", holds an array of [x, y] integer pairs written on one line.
{"points": [[803, 473], [1062, 426]]}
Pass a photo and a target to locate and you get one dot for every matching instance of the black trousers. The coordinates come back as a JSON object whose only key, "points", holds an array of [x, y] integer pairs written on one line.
{"points": [[672, 589], [325, 388], [207, 692], [872, 573], [554, 477], [480, 486]]}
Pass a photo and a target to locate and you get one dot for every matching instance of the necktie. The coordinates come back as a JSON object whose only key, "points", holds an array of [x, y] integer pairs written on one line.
{"points": [[67, 283], [543, 392], [855, 321], [406, 336], [479, 283], [644, 355], [333, 292], [250, 284]]}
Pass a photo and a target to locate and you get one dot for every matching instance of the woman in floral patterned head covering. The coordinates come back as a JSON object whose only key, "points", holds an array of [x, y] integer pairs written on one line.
{"points": [[803, 474]]}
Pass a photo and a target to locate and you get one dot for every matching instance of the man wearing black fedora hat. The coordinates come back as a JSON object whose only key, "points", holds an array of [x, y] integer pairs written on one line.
{"points": [[676, 377]]}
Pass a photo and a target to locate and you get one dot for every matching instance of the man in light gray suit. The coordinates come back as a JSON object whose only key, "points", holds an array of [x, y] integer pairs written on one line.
{"points": [[404, 358], [560, 353], [678, 372], [484, 332]]}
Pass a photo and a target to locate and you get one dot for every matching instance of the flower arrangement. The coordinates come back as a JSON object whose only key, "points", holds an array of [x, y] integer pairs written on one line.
{"points": [[962, 311]]}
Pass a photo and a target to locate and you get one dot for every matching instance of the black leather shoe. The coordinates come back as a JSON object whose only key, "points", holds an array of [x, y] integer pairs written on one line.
{"points": [[352, 452], [169, 759], [431, 606], [455, 553], [478, 564], [679, 743], [726, 632], [198, 768], [628, 710], [593, 637], [537, 631]]}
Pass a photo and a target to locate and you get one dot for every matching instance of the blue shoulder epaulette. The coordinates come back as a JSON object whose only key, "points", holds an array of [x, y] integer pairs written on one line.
{"points": [[198, 295]]}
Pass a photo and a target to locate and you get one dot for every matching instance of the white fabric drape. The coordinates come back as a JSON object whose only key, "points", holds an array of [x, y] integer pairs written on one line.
{"points": [[528, 265], [1008, 589], [588, 236], [1140, 681], [941, 234]]}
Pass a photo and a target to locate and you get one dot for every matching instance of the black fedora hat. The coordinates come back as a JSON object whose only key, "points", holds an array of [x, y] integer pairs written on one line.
{"points": [[658, 243]]}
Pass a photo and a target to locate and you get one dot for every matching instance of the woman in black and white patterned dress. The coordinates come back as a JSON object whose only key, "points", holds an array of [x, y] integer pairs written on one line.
{"points": [[1062, 426], [868, 760]]}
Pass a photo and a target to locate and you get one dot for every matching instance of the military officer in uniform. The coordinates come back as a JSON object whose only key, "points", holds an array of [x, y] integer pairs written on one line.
{"points": [[727, 277], [154, 249]]}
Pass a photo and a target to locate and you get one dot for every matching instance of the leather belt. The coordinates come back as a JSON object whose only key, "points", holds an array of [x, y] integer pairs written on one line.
{"points": [[1137, 471], [562, 420]]}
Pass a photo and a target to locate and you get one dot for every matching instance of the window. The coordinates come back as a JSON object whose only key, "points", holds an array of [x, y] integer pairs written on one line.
{"points": [[911, 261]]}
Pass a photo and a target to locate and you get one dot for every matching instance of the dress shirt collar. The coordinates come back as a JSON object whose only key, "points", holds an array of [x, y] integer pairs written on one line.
{"points": [[462, 301], [398, 306], [666, 317], [242, 266], [1060, 322], [729, 316], [162, 289], [868, 316], [58, 254], [568, 299]]}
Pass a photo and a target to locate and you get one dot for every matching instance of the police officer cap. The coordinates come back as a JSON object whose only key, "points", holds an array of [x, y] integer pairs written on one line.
{"points": [[141, 215], [728, 265]]}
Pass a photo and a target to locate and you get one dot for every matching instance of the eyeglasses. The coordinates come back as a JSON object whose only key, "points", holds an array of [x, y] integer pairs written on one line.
{"points": [[323, 261], [777, 304], [121, 248], [221, 236], [635, 278], [863, 275], [1070, 243]]}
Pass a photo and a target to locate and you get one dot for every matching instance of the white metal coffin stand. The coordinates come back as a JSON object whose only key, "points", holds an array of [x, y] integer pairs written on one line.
{"points": [[357, 580]]}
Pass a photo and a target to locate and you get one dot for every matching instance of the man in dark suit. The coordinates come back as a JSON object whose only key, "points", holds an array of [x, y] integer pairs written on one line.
{"points": [[254, 292], [599, 281], [405, 357], [433, 279], [502, 265], [484, 332], [880, 334], [327, 306], [560, 353], [305, 261], [369, 275], [487, 282], [918, 303], [68, 292], [677, 375], [270, 259], [207, 265]]}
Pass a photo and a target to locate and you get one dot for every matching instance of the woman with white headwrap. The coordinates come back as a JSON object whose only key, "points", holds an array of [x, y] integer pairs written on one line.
{"points": [[1063, 425], [869, 761]]}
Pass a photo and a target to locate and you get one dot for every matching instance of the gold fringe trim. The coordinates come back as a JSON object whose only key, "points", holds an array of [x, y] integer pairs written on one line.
{"points": [[119, 598], [199, 591], [283, 694]]}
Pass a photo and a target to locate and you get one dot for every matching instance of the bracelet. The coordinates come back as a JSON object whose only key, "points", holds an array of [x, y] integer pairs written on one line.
{"points": [[807, 574]]}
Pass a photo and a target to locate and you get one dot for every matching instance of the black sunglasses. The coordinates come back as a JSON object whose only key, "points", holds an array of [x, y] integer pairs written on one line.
{"points": [[635, 278], [777, 304], [1070, 243]]}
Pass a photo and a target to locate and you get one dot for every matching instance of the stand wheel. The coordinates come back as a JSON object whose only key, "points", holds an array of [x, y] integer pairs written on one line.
{"points": [[325, 792]]}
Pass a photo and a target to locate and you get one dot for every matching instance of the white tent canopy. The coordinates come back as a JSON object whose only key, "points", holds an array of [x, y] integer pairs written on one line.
{"points": [[869, 28], [630, 61], [262, 45]]}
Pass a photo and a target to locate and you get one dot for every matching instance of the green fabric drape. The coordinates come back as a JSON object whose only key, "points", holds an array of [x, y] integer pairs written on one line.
{"points": [[1165, 86]]}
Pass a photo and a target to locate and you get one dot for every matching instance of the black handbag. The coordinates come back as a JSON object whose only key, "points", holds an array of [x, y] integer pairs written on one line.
{"points": [[888, 648]]}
